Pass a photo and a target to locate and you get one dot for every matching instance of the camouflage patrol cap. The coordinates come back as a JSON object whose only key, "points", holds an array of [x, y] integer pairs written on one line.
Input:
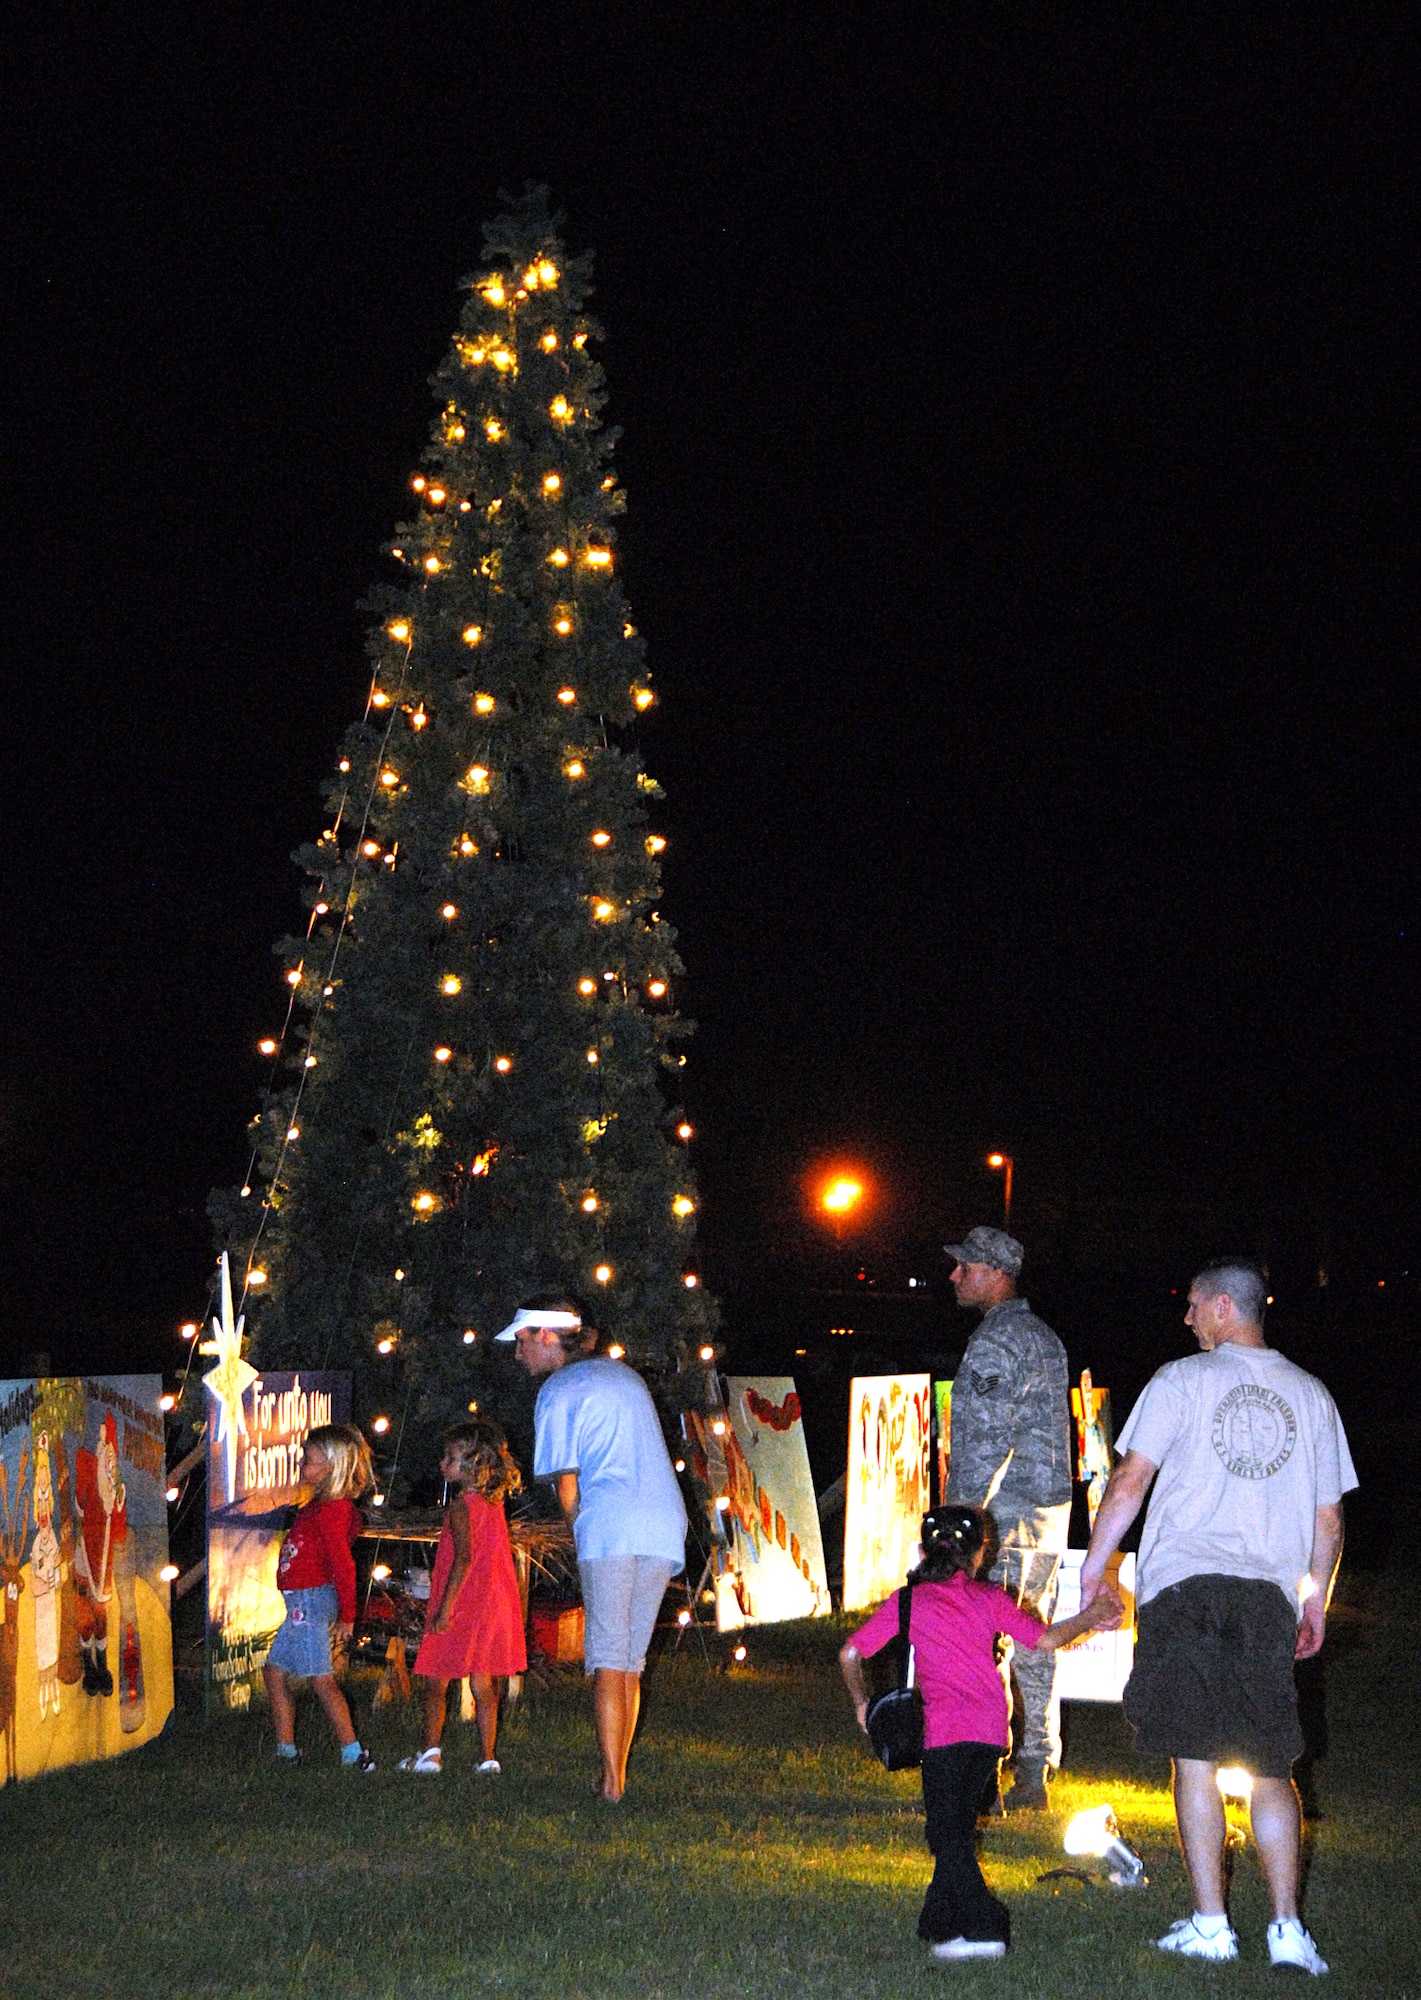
{"points": [[988, 1246]]}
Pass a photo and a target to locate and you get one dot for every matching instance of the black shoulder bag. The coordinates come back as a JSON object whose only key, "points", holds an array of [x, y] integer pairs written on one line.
{"points": [[895, 1720]]}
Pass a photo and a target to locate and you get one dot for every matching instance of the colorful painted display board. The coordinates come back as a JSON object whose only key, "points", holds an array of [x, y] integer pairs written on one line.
{"points": [[257, 1425], [1095, 1439], [1097, 1667], [942, 1432], [777, 1555], [86, 1646], [888, 1487]]}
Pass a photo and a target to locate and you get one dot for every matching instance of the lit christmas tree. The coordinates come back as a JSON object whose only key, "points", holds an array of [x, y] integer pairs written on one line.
{"points": [[470, 1097]]}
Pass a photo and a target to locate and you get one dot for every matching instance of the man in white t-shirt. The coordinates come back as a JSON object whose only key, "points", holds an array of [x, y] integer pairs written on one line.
{"points": [[598, 1438], [1236, 1566]]}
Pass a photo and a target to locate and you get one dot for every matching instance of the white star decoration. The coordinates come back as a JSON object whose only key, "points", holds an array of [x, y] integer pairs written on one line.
{"points": [[227, 1382]]}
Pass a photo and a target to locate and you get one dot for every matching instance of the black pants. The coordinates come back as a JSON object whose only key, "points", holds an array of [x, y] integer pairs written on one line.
{"points": [[959, 1903]]}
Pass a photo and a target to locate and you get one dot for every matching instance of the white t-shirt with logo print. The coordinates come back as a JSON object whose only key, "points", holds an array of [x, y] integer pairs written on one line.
{"points": [[1248, 1446]]}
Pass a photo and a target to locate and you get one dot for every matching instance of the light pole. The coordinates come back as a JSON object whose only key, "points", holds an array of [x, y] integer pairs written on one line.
{"points": [[1002, 1163]]}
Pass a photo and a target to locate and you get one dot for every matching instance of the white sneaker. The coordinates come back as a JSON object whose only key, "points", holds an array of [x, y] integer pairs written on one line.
{"points": [[1189, 1941], [490, 1768], [969, 1948], [428, 1764], [1290, 1946]]}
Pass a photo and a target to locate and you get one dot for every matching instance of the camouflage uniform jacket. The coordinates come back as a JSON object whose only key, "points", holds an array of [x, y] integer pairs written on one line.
{"points": [[1011, 1427]]}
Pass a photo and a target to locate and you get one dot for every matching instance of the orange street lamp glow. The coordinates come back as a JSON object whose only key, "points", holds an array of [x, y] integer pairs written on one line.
{"points": [[1002, 1163], [842, 1196]]}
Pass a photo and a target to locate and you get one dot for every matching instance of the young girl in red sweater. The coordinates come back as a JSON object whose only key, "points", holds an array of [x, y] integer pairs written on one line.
{"points": [[953, 1623], [475, 1619], [315, 1573]]}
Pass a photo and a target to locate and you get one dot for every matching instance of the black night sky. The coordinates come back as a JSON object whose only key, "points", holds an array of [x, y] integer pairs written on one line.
{"points": [[1020, 424]]}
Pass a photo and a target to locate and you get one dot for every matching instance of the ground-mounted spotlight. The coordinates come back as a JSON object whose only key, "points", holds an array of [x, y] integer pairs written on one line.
{"points": [[1235, 1783], [1097, 1833]]}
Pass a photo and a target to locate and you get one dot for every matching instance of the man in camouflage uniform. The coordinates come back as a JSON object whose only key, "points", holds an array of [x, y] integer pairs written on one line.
{"points": [[1011, 1453]]}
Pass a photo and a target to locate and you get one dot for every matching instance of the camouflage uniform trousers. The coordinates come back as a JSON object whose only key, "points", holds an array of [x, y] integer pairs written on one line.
{"points": [[1031, 1573]]}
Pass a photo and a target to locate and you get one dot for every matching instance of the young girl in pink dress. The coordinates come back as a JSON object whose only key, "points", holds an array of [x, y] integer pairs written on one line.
{"points": [[475, 1620]]}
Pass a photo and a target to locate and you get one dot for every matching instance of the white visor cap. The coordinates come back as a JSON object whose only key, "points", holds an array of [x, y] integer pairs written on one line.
{"points": [[524, 1318]]}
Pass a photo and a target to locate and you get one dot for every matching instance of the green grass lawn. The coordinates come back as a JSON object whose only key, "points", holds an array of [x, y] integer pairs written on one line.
{"points": [[760, 1852]]}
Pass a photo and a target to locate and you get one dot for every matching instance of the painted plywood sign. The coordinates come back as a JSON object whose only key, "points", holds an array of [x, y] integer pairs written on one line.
{"points": [[1097, 1667], [888, 1486], [778, 1556], [254, 1447], [86, 1649]]}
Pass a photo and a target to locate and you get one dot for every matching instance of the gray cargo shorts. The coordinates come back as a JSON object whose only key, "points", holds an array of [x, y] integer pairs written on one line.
{"points": [[621, 1596]]}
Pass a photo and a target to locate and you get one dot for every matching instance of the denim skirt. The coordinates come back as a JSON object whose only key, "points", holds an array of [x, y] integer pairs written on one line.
{"points": [[303, 1644]]}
